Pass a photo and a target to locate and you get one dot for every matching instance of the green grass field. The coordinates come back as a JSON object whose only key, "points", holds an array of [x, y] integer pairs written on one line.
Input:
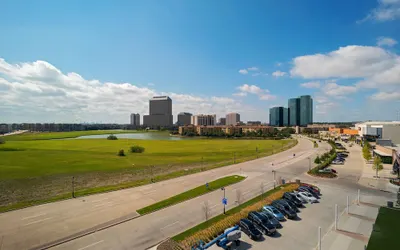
{"points": [[36, 171], [62, 135], [386, 230], [192, 193]]}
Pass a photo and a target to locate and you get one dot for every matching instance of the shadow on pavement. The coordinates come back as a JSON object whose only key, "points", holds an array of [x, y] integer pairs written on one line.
{"points": [[276, 235]]}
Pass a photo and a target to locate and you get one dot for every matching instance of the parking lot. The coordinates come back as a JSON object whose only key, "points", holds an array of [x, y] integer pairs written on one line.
{"points": [[302, 233]]}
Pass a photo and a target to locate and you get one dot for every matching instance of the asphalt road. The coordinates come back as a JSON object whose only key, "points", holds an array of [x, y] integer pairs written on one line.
{"points": [[40, 225]]}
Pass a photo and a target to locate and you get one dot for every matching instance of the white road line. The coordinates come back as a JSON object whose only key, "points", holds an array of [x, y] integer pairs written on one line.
{"points": [[100, 199], [244, 193], [37, 221], [93, 244], [213, 206], [33, 216], [170, 225], [150, 192], [102, 204]]}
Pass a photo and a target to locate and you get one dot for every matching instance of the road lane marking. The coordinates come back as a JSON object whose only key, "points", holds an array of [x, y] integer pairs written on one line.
{"points": [[213, 206], [102, 204], [100, 199], [33, 216], [37, 221], [93, 244], [150, 192], [170, 225]]}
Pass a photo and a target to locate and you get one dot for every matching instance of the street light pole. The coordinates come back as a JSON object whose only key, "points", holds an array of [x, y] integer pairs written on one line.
{"points": [[73, 186], [309, 163], [234, 158]]}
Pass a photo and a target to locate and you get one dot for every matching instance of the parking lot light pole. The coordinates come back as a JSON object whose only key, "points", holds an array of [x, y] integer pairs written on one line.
{"points": [[273, 172], [223, 188], [347, 207], [73, 186], [358, 197], [309, 163], [336, 216], [319, 238]]}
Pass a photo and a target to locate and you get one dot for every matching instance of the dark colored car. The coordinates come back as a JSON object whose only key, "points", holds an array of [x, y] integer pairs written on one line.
{"points": [[342, 155], [285, 210], [316, 189], [262, 223], [272, 219], [248, 228], [310, 190], [290, 204], [292, 198]]}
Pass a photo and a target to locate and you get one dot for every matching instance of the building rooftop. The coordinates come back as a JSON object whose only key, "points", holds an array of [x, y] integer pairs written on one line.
{"points": [[381, 123], [159, 98], [184, 113]]}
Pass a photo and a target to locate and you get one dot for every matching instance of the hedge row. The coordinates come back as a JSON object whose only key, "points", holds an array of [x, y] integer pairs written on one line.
{"points": [[325, 163]]}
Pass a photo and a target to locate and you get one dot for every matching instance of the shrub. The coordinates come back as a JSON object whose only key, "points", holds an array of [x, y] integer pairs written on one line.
{"points": [[137, 149], [112, 137], [317, 160], [2, 141], [121, 153]]}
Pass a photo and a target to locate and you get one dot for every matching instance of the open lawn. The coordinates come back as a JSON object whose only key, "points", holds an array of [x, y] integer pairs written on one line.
{"points": [[36, 171], [192, 193], [62, 135], [386, 230]]}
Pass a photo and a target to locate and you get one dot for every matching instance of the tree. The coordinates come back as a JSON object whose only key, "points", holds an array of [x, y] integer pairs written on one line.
{"points": [[317, 160], [2, 141], [206, 210], [137, 149], [366, 153], [378, 166], [112, 137], [121, 153]]}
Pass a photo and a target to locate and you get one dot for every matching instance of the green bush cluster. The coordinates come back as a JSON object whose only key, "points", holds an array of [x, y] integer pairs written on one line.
{"points": [[112, 137], [137, 149], [325, 160]]}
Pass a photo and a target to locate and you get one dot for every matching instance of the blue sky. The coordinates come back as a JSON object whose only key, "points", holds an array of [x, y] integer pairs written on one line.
{"points": [[209, 56]]}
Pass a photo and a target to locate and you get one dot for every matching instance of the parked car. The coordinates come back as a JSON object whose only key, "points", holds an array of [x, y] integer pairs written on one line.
{"points": [[292, 205], [275, 212], [315, 188], [271, 218], [308, 190], [285, 210], [342, 155], [310, 198], [328, 170], [262, 223], [303, 199], [337, 162], [248, 228], [293, 198]]}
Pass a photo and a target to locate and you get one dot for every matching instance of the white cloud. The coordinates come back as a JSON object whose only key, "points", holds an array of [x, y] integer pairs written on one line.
{"points": [[252, 69], [263, 94], [278, 73], [311, 85], [243, 71], [386, 41], [334, 89], [346, 62], [387, 10], [39, 92], [385, 96]]}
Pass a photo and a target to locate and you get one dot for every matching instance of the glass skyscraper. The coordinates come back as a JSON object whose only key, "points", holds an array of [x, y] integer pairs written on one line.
{"points": [[278, 116], [300, 111]]}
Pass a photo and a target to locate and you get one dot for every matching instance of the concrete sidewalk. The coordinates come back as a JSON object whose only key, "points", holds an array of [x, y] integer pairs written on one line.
{"points": [[354, 228]]}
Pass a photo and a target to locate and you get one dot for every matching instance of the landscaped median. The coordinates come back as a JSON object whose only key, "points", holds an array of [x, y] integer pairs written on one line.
{"points": [[208, 230], [195, 192], [323, 162]]}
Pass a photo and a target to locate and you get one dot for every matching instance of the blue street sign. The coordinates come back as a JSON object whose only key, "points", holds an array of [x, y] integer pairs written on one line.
{"points": [[207, 185], [225, 201]]}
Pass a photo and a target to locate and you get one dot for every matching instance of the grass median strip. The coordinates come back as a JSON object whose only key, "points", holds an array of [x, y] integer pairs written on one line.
{"points": [[190, 194]]}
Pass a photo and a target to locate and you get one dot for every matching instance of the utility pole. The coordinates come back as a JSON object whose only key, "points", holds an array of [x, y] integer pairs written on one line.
{"points": [[223, 188]]}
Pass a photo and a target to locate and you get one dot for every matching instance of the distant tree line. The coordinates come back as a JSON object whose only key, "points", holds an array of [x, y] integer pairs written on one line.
{"points": [[277, 134]]}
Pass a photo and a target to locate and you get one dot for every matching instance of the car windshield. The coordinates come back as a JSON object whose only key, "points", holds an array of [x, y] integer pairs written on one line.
{"points": [[274, 210]]}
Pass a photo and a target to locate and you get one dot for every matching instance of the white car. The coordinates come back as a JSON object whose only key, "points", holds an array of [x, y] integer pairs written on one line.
{"points": [[309, 197], [298, 196]]}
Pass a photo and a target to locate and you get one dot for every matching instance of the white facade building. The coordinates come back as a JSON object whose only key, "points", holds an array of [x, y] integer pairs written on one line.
{"points": [[207, 120], [380, 130]]}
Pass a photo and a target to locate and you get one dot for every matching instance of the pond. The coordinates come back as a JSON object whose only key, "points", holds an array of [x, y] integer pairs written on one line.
{"points": [[139, 136]]}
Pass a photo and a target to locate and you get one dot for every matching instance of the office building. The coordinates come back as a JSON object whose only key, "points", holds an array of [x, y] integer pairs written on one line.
{"points": [[232, 119], [206, 120], [294, 111], [184, 119], [135, 120], [300, 111], [222, 121], [278, 117], [253, 123], [160, 112]]}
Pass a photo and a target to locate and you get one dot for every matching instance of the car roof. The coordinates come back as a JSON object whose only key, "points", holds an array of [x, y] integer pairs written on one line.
{"points": [[246, 221]]}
